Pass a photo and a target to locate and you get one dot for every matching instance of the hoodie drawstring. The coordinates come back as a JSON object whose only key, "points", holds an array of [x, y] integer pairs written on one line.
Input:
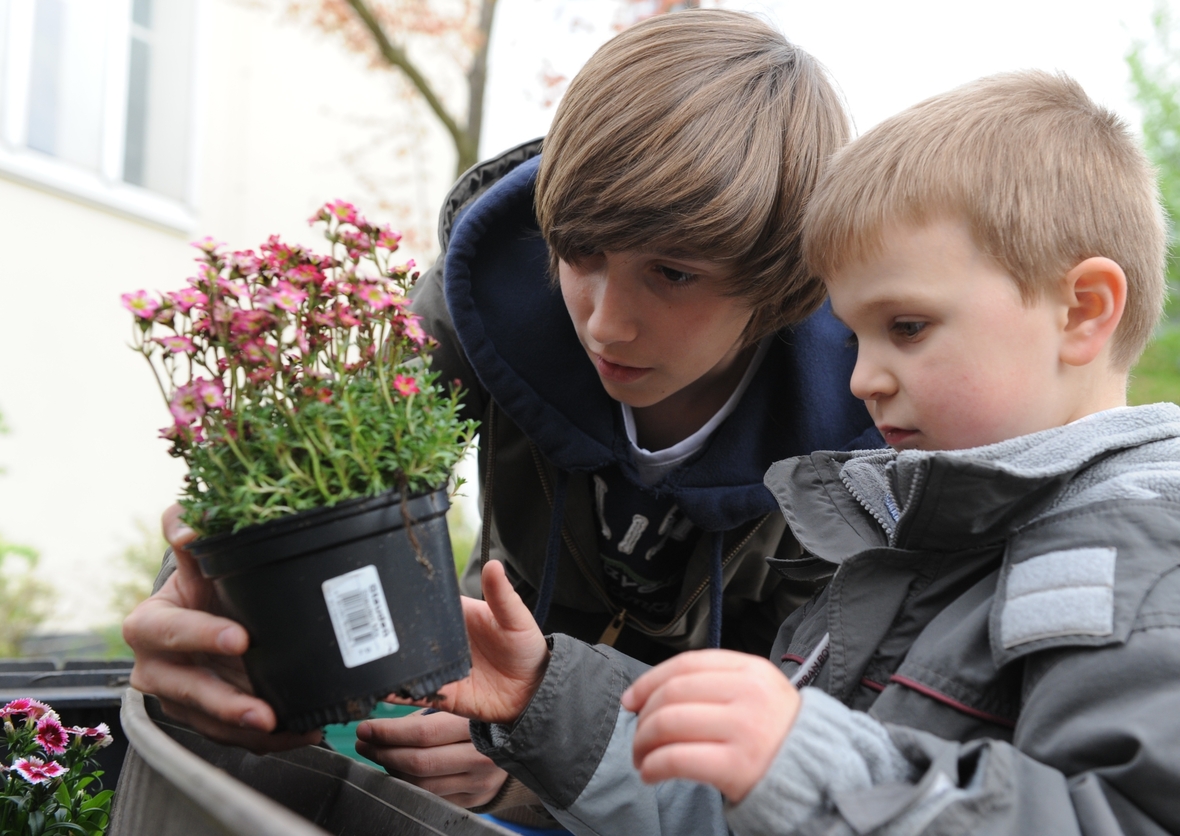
{"points": [[715, 590], [552, 550]]}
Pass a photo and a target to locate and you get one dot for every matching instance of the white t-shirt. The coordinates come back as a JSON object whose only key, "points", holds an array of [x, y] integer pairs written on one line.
{"points": [[654, 466]]}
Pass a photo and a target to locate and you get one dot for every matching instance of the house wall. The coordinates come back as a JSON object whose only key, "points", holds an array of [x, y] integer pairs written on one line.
{"points": [[286, 121]]}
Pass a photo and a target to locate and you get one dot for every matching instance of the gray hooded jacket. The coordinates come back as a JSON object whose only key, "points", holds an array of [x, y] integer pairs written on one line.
{"points": [[998, 652]]}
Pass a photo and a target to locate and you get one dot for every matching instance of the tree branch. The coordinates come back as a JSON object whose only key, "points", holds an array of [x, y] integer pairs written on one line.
{"points": [[477, 81], [397, 57]]}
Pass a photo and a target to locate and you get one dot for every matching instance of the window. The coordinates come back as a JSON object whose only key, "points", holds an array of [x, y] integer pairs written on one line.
{"points": [[96, 100]]}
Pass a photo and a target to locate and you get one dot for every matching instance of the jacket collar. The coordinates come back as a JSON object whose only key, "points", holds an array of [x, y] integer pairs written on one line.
{"points": [[838, 504]]}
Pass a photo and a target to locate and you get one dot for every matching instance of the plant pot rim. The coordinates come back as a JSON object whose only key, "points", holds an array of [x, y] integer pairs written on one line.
{"points": [[208, 550]]}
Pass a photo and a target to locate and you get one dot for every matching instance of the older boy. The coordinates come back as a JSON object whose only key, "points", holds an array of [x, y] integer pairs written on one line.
{"points": [[999, 648]]}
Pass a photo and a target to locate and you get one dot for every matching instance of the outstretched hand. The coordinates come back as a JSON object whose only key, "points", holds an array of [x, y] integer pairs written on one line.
{"points": [[190, 657], [509, 655], [714, 716]]}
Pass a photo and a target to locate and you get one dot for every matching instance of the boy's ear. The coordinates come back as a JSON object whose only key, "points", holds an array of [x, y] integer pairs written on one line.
{"points": [[1095, 295]]}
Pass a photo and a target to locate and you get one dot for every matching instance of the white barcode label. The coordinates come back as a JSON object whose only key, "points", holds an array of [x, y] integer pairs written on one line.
{"points": [[360, 616]]}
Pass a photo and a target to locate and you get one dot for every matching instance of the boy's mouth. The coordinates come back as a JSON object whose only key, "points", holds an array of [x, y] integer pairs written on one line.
{"points": [[617, 372], [895, 436]]}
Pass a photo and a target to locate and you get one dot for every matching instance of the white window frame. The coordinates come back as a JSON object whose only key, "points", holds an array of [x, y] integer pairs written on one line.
{"points": [[104, 188]]}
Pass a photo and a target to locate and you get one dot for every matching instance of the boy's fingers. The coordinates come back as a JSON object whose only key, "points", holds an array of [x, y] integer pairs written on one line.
{"points": [[430, 762], [706, 763], [158, 624], [176, 532], [197, 688], [507, 608], [256, 741], [694, 661], [418, 730], [684, 723]]}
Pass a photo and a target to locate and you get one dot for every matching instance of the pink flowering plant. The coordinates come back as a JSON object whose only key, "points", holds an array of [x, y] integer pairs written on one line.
{"points": [[298, 380], [49, 784]]}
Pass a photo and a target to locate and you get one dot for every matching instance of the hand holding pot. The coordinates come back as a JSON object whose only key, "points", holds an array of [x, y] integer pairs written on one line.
{"points": [[434, 752], [509, 655], [191, 658]]}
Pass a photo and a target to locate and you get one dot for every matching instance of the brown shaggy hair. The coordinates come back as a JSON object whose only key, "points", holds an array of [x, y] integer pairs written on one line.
{"points": [[695, 134]]}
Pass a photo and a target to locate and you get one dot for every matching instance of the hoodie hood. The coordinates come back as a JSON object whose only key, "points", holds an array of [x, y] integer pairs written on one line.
{"points": [[518, 336]]}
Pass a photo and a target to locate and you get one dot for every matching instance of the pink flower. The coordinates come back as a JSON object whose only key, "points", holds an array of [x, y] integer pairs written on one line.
{"points": [[207, 245], [99, 735], [187, 405], [376, 296], [237, 289], [256, 352], [36, 771], [343, 212], [51, 736], [250, 323], [413, 330], [211, 392], [140, 304], [356, 242], [26, 708], [286, 296], [221, 312], [405, 385], [186, 298], [387, 239], [177, 344], [304, 274], [261, 375], [345, 316], [245, 262]]}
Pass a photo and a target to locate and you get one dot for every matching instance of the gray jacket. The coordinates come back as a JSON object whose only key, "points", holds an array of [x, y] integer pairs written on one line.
{"points": [[998, 652]]}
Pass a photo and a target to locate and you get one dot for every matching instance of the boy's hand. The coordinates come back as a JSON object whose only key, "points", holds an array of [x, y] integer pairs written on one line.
{"points": [[714, 716], [191, 658], [434, 752], [509, 655]]}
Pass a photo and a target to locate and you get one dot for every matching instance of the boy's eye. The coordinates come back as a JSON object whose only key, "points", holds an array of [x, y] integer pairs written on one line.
{"points": [[908, 329], [676, 276]]}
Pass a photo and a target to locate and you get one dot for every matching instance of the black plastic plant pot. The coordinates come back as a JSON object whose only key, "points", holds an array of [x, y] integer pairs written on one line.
{"points": [[343, 605]]}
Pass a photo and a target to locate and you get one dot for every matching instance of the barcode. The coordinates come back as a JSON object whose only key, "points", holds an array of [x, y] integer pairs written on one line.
{"points": [[360, 616], [357, 617]]}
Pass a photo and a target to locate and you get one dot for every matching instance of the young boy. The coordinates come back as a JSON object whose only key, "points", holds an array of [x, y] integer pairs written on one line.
{"points": [[999, 650], [628, 314]]}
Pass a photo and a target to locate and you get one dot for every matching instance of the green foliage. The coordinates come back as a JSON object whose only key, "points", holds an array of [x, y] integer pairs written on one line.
{"points": [[1156, 377], [357, 444], [1155, 80], [140, 562], [24, 598]]}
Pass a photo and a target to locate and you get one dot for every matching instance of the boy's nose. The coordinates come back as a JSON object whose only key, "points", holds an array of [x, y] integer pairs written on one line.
{"points": [[871, 380], [614, 317]]}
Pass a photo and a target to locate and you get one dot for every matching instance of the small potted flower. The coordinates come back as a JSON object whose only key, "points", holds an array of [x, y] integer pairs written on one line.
{"points": [[47, 773], [319, 445]]}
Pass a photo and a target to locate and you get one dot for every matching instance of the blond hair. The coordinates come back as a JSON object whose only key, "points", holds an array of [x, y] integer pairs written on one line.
{"points": [[1043, 177], [695, 134]]}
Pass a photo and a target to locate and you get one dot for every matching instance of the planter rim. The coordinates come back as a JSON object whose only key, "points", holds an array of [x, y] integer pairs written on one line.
{"points": [[207, 550]]}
